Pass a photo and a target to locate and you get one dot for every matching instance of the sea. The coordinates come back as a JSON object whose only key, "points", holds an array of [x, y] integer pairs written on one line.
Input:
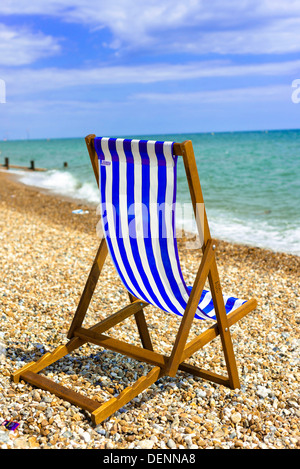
{"points": [[250, 181]]}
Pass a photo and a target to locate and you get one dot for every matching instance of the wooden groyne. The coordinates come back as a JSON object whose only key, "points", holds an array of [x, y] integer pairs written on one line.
{"points": [[31, 167]]}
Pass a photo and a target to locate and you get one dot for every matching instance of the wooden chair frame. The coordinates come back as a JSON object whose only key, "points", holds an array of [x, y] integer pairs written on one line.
{"points": [[182, 350]]}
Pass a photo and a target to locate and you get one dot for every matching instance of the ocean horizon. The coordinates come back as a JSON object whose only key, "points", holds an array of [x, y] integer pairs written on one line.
{"points": [[250, 181]]}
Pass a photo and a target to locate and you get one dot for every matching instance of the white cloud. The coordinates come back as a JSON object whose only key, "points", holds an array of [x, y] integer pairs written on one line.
{"points": [[235, 27], [279, 37], [233, 95], [19, 46], [39, 80]]}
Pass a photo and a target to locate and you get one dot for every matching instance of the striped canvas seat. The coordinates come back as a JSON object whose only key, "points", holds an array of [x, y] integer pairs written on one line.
{"points": [[137, 183]]}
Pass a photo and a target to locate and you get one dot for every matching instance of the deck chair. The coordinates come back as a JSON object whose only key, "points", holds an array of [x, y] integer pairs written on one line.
{"points": [[137, 180]]}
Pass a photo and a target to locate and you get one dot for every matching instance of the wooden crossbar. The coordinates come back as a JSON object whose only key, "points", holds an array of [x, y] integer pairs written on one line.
{"points": [[126, 395], [61, 391], [116, 345]]}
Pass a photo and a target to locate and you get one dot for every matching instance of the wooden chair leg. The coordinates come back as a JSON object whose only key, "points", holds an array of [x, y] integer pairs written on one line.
{"points": [[142, 326], [89, 288], [223, 326]]}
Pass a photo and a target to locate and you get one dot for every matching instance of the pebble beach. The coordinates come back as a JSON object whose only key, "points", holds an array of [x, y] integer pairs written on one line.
{"points": [[46, 255]]}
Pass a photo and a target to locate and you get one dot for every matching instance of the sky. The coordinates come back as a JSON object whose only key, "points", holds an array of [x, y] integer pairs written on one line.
{"points": [[69, 68]]}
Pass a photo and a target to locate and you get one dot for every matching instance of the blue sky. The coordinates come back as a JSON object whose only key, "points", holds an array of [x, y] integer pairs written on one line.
{"points": [[128, 67]]}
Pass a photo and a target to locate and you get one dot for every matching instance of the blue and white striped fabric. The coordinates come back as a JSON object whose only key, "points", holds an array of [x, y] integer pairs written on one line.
{"points": [[138, 194]]}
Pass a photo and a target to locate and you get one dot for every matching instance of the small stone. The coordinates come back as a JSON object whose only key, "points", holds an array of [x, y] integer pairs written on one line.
{"points": [[197, 419], [171, 444], [146, 444], [32, 442], [20, 443], [236, 417], [218, 433], [36, 396], [238, 444], [188, 440], [116, 436], [48, 412], [188, 430], [47, 399], [100, 430], [109, 445], [202, 443], [262, 391], [4, 436], [86, 436]]}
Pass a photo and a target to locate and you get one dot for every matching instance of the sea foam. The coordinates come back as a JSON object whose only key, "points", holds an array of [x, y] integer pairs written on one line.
{"points": [[62, 182]]}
